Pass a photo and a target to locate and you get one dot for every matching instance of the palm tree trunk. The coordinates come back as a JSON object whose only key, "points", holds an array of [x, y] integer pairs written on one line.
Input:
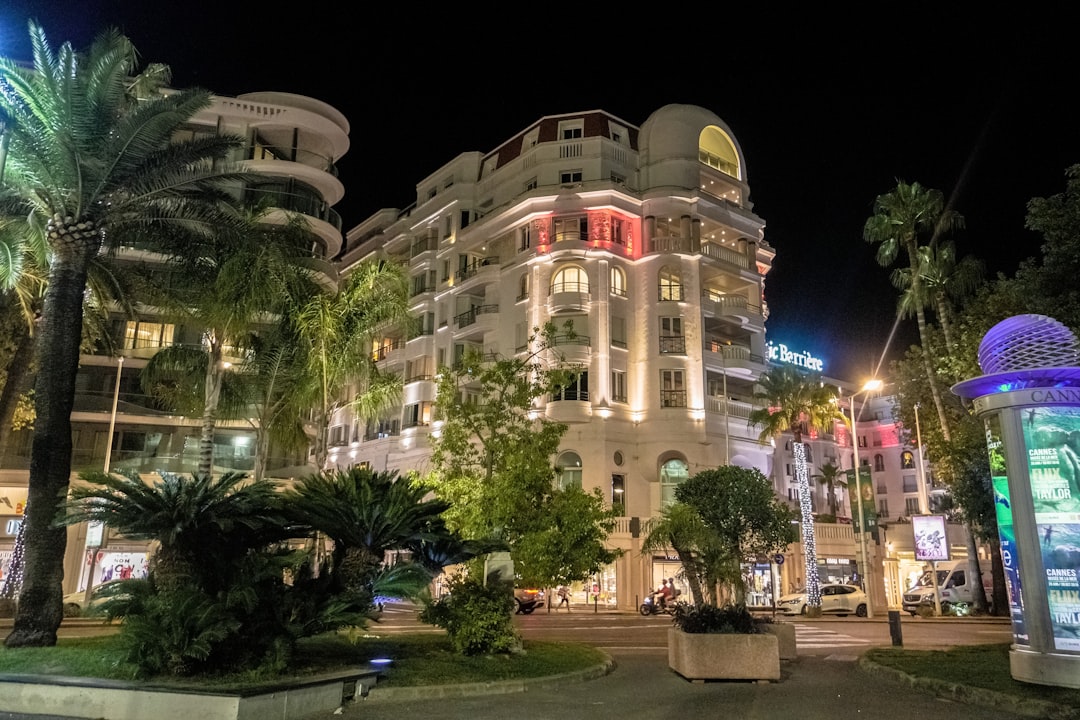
{"points": [[924, 340], [214, 376], [40, 609], [974, 571]]}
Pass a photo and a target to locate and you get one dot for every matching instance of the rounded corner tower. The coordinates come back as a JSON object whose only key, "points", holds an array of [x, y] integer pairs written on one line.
{"points": [[677, 138]]}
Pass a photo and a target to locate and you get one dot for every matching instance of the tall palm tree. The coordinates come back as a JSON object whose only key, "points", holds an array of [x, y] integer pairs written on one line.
{"points": [[944, 277], [796, 403], [337, 332], [90, 164], [242, 281], [831, 476], [900, 219]]}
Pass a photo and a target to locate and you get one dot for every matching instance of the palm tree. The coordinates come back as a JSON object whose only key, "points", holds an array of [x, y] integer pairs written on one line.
{"points": [[945, 278], [214, 290], [900, 218], [337, 332], [705, 561], [90, 164], [796, 403], [831, 476], [365, 514]]}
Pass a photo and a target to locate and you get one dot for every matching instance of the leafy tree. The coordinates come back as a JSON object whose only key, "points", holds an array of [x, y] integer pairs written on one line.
{"points": [[900, 219], [92, 159], [794, 401], [493, 463], [831, 476], [740, 507]]}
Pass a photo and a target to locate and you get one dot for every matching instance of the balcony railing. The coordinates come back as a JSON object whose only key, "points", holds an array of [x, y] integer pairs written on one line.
{"points": [[469, 316], [673, 398], [673, 345]]}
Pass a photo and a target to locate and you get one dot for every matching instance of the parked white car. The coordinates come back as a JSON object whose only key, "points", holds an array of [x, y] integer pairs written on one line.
{"points": [[836, 599]]}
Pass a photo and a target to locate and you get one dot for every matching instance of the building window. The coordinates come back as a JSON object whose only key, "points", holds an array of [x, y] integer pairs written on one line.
{"points": [[568, 470], [416, 415], [523, 286], [618, 494], [576, 389], [530, 184], [670, 285], [883, 508], [571, 229], [525, 237], [672, 389], [911, 506], [569, 177], [618, 332], [862, 442], [672, 474], [618, 386], [618, 281], [879, 463], [147, 335], [570, 279], [337, 435], [618, 179], [909, 484], [907, 460], [572, 131], [671, 336]]}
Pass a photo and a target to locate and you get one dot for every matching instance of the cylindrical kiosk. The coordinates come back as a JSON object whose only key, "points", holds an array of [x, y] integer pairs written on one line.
{"points": [[1029, 400]]}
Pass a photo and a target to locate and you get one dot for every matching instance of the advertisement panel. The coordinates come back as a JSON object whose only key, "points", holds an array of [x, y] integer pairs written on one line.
{"points": [[869, 509], [1052, 442], [1010, 559], [931, 542]]}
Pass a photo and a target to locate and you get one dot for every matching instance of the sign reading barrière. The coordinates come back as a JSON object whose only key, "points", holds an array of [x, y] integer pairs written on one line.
{"points": [[782, 354]]}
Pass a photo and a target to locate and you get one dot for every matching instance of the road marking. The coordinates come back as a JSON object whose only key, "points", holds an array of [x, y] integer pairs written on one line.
{"points": [[813, 636]]}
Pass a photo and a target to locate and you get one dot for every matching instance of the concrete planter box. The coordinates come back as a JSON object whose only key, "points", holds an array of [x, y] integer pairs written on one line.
{"points": [[720, 656], [785, 636], [77, 697]]}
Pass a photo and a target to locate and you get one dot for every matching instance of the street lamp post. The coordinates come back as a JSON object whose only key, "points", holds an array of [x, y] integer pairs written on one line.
{"points": [[924, 500], [870, 386], [96, 538]]}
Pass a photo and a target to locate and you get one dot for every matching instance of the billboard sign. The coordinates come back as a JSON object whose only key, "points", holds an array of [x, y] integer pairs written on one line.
{"points": [[931, 542]]}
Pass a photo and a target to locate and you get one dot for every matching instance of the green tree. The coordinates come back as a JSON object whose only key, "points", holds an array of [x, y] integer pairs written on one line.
{"points": [[900, 219], [794, 401], [89, 165], [704, 560], [493, 463], [740, 507], [831, 476], [336, 333], [943, 279]]}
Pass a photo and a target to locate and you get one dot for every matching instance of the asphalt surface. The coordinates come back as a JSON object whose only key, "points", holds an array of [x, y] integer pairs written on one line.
{"points": [[640, 686]]}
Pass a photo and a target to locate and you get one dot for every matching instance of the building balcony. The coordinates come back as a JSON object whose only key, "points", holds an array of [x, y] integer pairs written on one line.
{"points": [[732, 359], [570, 411], [575, 350], [568, 297]]}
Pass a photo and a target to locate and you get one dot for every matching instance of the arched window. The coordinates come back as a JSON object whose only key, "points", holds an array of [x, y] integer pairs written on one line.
{"points": [[672, 474], [570, 279], [523, 286], [670, 284], [879, 463], [716, 150], [568, 468], [618, 281], [907, 460]]}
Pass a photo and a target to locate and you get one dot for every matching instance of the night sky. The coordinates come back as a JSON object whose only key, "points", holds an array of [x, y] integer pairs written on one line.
{"points": [[830, 111]]}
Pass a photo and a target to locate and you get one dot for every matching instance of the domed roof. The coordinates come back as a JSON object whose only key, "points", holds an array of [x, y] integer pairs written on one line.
{"points": [[674, 134]]}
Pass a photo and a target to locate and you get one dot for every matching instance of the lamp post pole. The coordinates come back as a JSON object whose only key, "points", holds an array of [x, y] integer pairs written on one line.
{"points": [[924, 500], [112, 418], [868, 387], [727, 430], [95, 536]]}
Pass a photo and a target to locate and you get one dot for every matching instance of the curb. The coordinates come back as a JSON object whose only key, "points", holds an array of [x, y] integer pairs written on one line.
{"points": [[501, 687], [975, 696]]}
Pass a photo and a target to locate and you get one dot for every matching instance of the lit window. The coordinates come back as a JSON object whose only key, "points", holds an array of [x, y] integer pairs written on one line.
{"points": [[670, 285], [618, 281], [672, 474], [570, 279], [568, 469]]}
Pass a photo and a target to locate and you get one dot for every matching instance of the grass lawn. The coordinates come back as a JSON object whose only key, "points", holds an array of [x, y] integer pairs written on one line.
{"points": [[982, 666], [418, 659]]}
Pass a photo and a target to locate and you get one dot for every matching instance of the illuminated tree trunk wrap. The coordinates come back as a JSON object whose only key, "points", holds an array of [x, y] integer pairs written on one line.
{"points": [[806, 511]]}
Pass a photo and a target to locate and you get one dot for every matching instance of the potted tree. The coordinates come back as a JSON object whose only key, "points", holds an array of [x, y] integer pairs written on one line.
{"points": [[720, 518]]}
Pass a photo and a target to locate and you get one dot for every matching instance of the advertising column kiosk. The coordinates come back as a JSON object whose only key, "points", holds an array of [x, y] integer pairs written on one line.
{"points": [[1029, 401]]}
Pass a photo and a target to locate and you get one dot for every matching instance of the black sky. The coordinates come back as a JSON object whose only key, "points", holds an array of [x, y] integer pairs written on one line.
{"points": [[830, 111]]}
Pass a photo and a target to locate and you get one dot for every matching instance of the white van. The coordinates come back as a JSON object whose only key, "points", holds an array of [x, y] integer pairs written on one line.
{"points": [[952, 584]]}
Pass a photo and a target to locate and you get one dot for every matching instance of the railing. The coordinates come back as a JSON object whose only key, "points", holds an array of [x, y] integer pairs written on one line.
{"points": [[732, 408], [471, 270], [570, 286], [673, 345], [671, 294], [469, 316], [672, 398], [423, 246], [305, 204], [383, 351], [726, 254], [570, 340]]}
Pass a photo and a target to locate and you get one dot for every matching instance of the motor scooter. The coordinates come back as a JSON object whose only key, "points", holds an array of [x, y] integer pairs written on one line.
{"points": [[654, 606]]}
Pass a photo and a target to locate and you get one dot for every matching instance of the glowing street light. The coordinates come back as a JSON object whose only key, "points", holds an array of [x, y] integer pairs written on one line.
{"points": [[870, 386]]}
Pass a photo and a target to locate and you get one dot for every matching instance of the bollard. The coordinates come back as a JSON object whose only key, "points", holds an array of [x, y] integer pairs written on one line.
{"points": [[894, 628]]}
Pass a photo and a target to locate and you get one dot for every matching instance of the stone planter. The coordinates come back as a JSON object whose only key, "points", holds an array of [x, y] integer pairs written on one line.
{"points": [[785, 636], [719, 656]]}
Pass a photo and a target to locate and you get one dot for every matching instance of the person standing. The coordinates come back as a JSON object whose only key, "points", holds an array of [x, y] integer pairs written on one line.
{"points": [[564, 598]]}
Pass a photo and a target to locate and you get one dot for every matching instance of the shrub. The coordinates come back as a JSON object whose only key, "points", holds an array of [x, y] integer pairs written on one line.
{"points": [[477, 618], [731, 619]]}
